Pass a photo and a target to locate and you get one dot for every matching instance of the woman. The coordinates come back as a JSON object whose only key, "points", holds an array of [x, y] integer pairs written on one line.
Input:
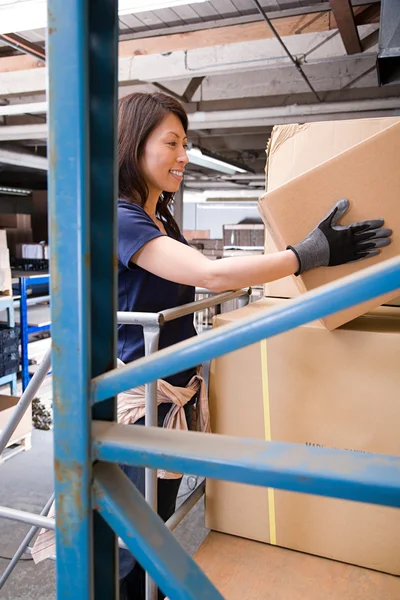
{"points": [[157, 269]]}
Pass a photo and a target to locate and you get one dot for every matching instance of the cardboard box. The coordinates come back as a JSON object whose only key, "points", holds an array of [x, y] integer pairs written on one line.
{"points": [[369, 176], [247, 570], [15, 221], [34, 251], [4, 258], [18, 236], [243, 235], [5, 282], [7, 406], [295, 149], [336, 389], [196, 234], [3, 238]]}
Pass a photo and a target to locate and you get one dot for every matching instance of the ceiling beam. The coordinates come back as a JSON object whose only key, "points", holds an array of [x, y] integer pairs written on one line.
{"points": [[344, 16], [23, 159], [23, 45], [227, 119], [286, 26]]}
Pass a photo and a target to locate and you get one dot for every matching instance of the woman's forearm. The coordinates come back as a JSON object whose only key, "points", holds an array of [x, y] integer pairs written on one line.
{"points": [[238, 272]]}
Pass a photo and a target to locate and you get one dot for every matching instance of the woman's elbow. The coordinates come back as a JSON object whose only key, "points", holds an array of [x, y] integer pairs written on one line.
{"points": [[213, 283]]}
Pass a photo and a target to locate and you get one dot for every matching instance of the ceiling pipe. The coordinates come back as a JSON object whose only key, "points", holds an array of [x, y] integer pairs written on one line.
{"points": [[254, 117]]}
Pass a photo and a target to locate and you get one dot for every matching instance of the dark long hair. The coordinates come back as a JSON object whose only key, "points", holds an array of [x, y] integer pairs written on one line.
{"points": [[138, 115]]}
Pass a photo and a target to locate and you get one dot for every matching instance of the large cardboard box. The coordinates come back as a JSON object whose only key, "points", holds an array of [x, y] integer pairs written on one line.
{"points": [[18, 236], [15, 221], [295, 149], [7, 407], [369, 176], [337, 389]]}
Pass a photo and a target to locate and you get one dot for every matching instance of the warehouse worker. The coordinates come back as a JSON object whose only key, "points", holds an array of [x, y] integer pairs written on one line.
{"points": [[157, 269]]}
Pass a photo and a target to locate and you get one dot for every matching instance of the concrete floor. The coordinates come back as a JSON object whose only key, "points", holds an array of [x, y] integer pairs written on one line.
{"points": [[26, 483]]}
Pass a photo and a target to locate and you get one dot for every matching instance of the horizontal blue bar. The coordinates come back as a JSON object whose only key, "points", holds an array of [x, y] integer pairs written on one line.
{"points": [[358, 476], [33, 329], [41, 280], [125, 510], [328, 299]]}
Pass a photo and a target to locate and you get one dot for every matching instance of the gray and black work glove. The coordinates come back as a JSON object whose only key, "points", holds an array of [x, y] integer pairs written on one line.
{"points": [[331, 244]]}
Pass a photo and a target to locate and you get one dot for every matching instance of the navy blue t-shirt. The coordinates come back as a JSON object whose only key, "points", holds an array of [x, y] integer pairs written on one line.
{"points": [[141, 291]]}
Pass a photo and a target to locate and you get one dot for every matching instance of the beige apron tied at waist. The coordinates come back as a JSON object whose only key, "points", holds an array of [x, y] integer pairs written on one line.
{"points": [[131, 408]]}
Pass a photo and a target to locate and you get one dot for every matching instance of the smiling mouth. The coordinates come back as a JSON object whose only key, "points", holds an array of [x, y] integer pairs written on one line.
{"points": [[176, 173]]}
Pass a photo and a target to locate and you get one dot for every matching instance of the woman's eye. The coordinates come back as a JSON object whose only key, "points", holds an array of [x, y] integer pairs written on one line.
{"points": [[172, 143], [186, 146]]}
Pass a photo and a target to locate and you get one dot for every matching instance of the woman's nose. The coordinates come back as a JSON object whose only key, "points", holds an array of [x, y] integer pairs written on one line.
{"points": [[183, 158]]}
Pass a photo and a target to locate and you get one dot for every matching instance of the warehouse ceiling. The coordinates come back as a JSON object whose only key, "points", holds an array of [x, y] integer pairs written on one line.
{"points": [[236, 76]]}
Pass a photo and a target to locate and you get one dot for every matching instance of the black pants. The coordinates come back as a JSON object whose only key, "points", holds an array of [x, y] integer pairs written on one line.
{"points": [[131, 574]]}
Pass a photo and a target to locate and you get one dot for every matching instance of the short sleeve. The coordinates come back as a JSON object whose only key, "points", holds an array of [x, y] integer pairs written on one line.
{"points": [[135, 229]]}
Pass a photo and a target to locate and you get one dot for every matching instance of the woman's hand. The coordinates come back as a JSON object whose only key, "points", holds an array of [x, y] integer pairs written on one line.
{"points": [[330, 244]]}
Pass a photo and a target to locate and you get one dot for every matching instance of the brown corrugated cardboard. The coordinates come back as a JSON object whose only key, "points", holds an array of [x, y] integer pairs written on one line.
{"points": [[336, 389], [3, 238], [18, 236], [15, 221], [247, 570], [7, 407], [295, 149], [196, 234], [369, 176]]}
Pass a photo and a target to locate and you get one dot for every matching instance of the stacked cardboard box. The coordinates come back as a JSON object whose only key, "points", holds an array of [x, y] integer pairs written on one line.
{"points": [[16, 237], [5, 270], [196, 234], [15, 221], [311, 386], [331, 383], [211, 248], [243, 235], [310, 167], [7, 408]]}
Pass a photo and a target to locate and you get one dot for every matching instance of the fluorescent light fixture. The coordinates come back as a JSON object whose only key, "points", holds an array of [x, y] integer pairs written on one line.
{"points": [[15, 191], [197, 157], [128, 7]]}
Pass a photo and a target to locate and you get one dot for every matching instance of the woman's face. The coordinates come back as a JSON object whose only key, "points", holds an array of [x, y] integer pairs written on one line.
{"points": [[165, 158]]}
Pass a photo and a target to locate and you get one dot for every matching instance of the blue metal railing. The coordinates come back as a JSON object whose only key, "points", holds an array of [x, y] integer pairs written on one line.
{"points": [[328, 299], [94, 499]]}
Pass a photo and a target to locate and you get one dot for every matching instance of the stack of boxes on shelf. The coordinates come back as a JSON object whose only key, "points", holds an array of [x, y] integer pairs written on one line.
{"points": [[5, 270], [200, 240], [332, 383], [19, 230], [243, 239]]}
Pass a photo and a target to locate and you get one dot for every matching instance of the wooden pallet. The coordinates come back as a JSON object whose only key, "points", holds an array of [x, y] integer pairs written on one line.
{"points": [[16, 446]]}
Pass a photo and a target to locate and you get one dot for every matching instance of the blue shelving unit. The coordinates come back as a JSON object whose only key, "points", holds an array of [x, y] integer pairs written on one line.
{"points": [[25, 284], [7, 303], [95, 502]]}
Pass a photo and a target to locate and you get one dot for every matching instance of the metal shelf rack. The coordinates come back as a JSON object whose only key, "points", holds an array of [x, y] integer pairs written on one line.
{"points": [[7, 304]]}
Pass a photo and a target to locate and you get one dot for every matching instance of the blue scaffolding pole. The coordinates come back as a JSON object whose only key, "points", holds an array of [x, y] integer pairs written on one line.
{"points": [[95, 502]]}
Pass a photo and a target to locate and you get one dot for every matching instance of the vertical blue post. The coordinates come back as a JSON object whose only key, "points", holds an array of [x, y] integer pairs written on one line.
{"points": [[81, 211], [23, 322], [103, 86]]}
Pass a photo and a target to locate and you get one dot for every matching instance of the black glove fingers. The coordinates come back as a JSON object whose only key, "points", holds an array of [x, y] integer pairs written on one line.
{"points": [[363, 255], [366, 225], [373, 234], [381, 242]]}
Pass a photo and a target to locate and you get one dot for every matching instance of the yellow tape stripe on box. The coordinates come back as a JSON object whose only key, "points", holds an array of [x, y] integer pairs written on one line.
{"points": [[267, 433]]}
